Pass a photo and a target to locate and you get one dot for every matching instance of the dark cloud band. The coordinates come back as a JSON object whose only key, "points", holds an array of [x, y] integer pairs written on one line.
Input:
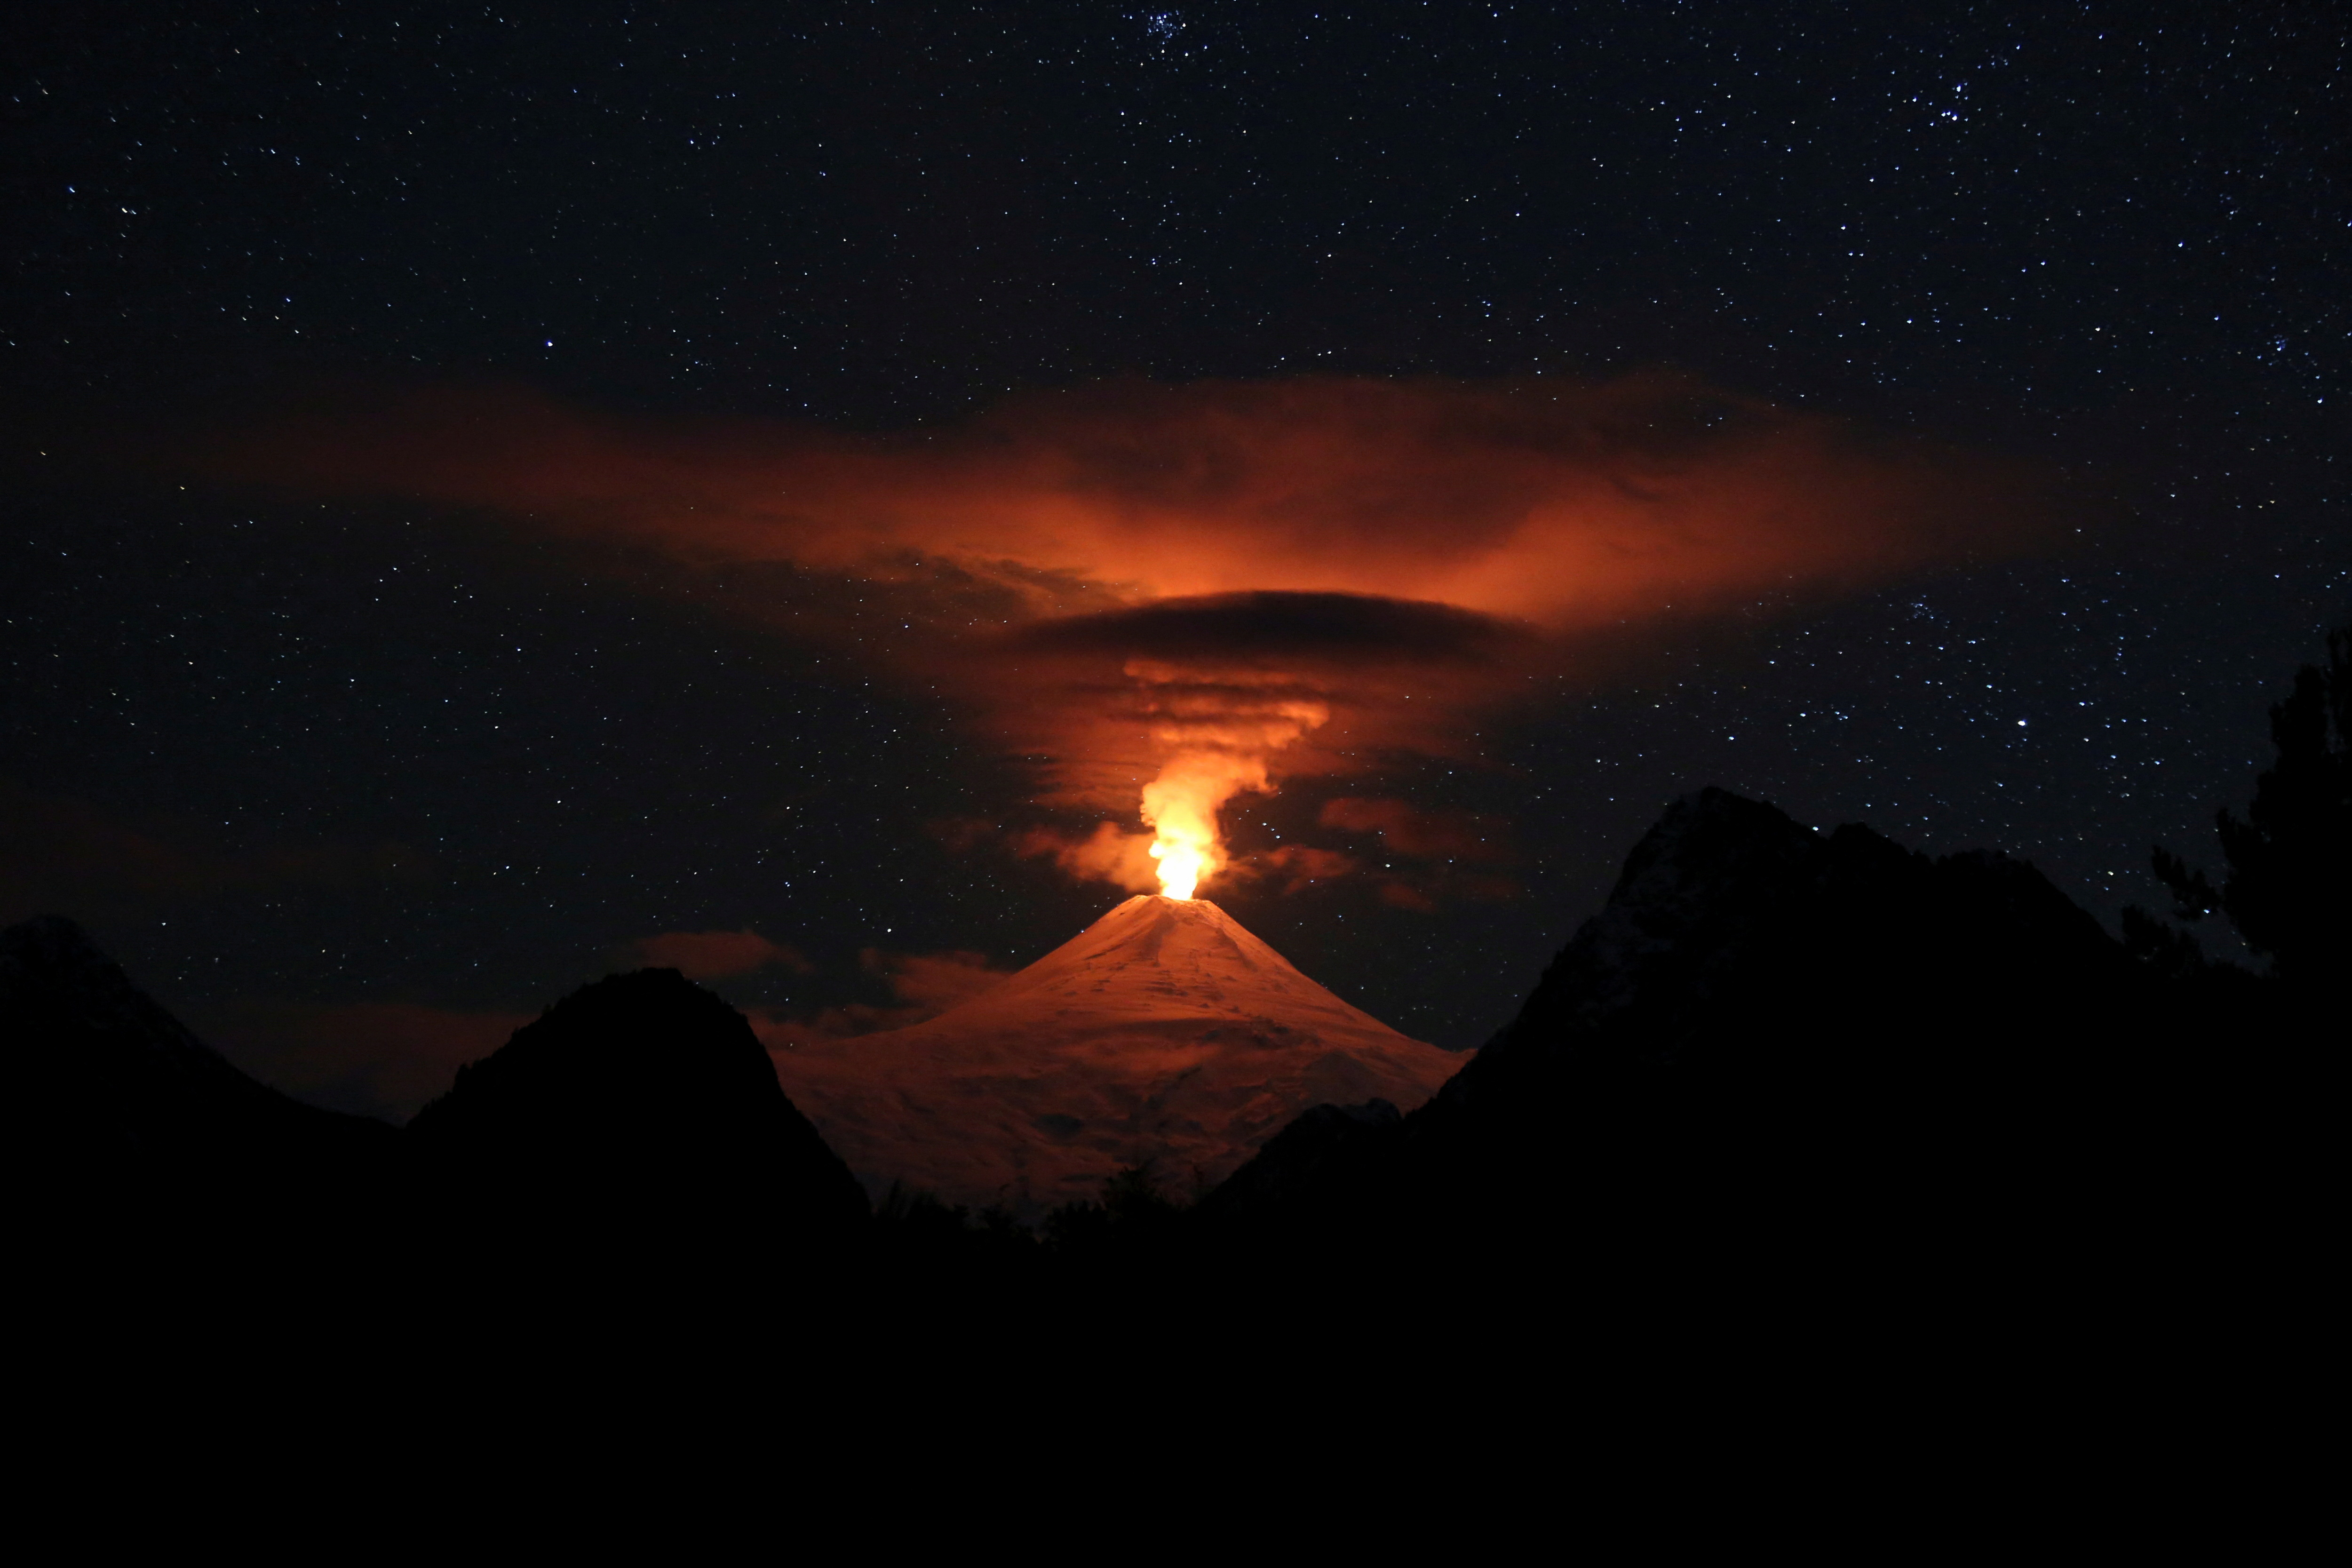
{"points": [[1268, 626]]}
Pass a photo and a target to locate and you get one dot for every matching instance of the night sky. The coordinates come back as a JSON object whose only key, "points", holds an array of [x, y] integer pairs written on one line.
{"points": [[355, 770]]}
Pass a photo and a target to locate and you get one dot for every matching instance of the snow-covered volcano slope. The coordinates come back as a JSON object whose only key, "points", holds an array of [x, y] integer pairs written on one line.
{"points": [[1162, 1032]]}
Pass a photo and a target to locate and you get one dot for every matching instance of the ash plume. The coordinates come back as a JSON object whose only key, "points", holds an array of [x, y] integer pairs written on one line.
{"points": [[1172, 595]]}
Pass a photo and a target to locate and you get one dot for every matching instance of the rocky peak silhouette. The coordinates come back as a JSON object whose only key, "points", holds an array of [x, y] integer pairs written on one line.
{"points": [[1762, 1017], [115, 1081], [1822, 937], [641, 1100]]}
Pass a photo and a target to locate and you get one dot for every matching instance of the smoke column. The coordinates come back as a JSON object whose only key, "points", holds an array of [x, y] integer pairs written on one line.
{"points": [[1181, 809], [1224, 726]]}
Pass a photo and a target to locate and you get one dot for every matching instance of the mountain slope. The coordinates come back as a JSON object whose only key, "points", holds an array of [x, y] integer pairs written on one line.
{"points": [[1772, 1028], [1164, 1032], [146, 1160], [106, 1083], [641, 1103]]}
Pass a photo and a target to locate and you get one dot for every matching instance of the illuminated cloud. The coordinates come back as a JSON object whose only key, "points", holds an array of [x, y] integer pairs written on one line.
{"points": [[1406, 830], [1105, 855], [923, 985], [371, 1059], [1302, 865], [1170, 595], [1558, 504], [931, 982], [716, 954], [62, 854], [1190, 701]]}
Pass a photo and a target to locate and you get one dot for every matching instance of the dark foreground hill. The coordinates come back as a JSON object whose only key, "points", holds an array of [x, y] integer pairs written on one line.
{"points": [[637, 1116], [117, 1110], [1807, 1052], [639, 1109]]}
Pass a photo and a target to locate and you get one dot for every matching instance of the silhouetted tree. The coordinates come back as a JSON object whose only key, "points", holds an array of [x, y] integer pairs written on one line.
{"points": [[920, 1212], [915, 1231], [1134, 1197], [2289, 887], [2167, 949], [1134, 1214]]}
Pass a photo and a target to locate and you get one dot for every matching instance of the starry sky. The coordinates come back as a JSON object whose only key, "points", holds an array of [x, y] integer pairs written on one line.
{"points": [[355, 776]]}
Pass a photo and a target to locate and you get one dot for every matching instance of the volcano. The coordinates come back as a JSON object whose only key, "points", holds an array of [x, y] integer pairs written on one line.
{"points": [[1164, 1033]]}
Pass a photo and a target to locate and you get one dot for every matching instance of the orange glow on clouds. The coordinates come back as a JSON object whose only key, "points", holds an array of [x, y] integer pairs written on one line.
{"points": [[1176, 594], [1551, 502], [1181, 805], [1222, 744]]}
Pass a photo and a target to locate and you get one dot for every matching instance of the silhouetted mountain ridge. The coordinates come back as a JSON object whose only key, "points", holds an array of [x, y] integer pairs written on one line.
{"points": [[640, 1100], [110, 1079], [1764, 1016]]}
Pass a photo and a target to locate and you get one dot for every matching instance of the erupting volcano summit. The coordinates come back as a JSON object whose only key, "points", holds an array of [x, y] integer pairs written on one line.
{"points": [[1164, 1032]]}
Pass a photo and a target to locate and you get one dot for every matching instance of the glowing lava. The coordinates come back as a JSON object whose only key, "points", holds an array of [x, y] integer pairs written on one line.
{"points": [[1181, 866], [1224, 723], [1181, 809]]}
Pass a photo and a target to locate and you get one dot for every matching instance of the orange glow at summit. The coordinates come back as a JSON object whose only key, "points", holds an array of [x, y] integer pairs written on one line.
{"points": [[1181, 809]]}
